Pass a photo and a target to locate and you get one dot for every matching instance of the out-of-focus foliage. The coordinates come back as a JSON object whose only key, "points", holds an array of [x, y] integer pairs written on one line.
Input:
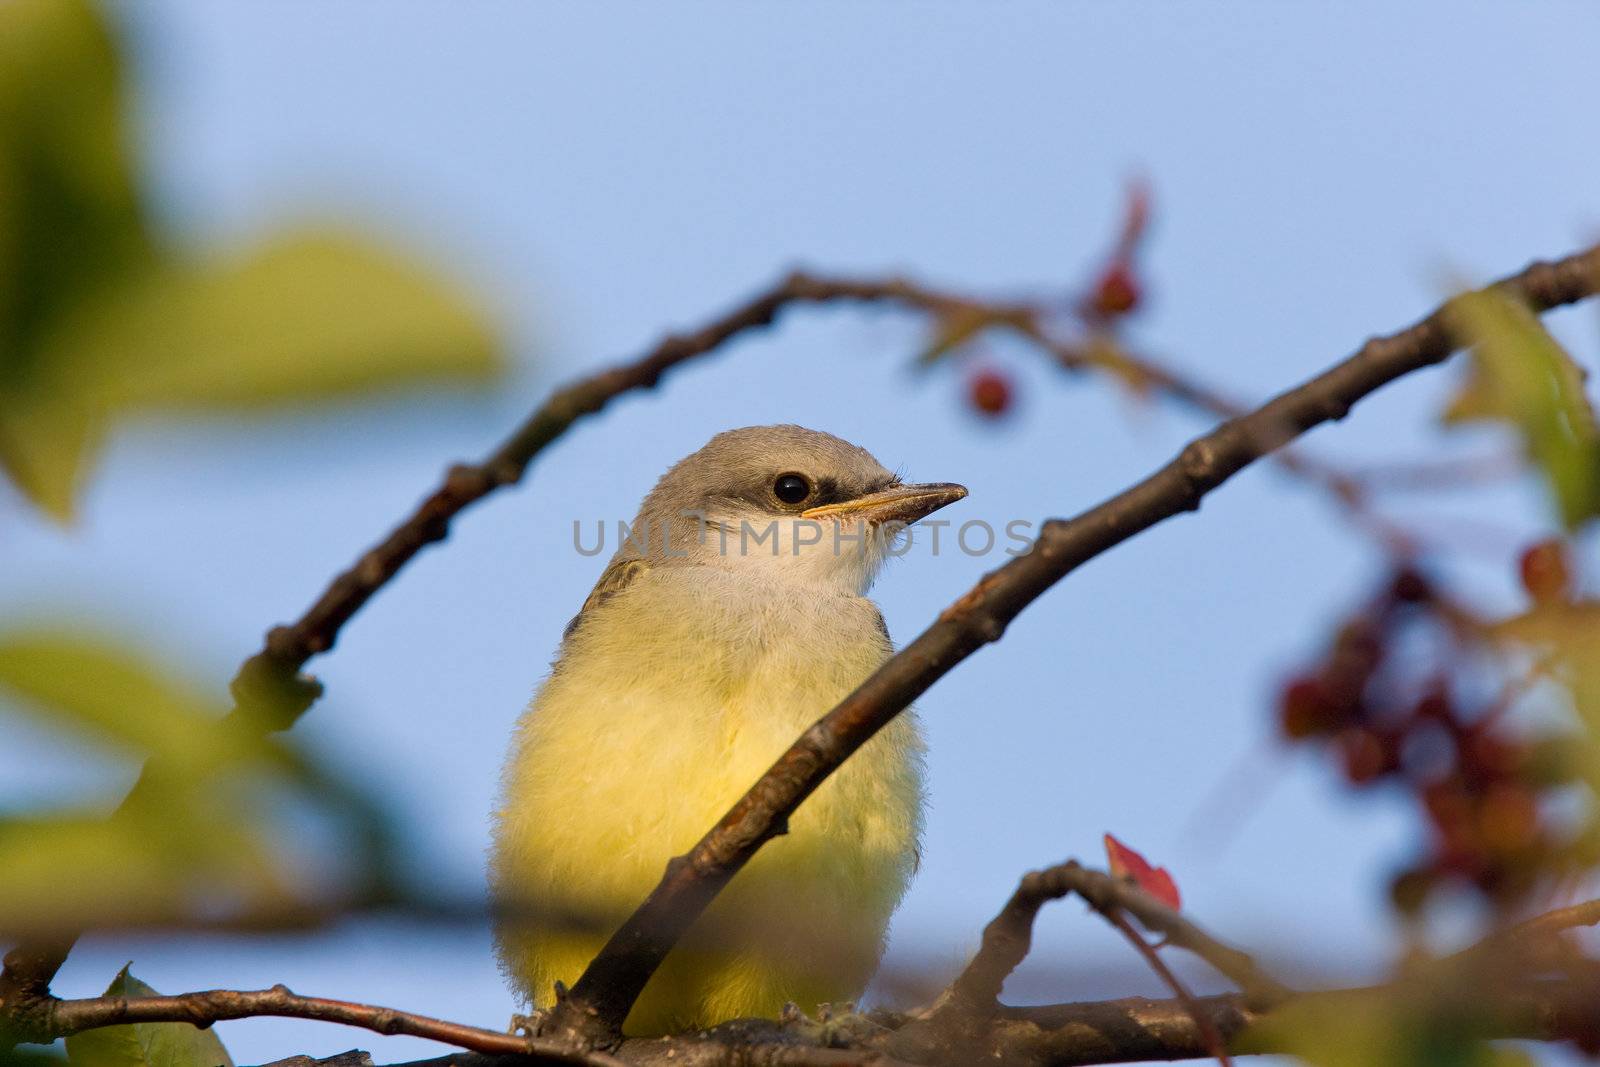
{"points": [[1408, 1025], [1519, 375], [197, 840], [101, 319], [145, 1044], [1562, 642]]}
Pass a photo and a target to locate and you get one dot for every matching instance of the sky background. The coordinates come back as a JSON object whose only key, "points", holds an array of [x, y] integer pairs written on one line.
{"points": [[602, 173]]}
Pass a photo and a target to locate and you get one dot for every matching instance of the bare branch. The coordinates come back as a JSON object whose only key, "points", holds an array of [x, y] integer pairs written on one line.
{"points": [[1127, 1030], [1007, 938], [67, 1017], [1114, 1031], [602, 997]]}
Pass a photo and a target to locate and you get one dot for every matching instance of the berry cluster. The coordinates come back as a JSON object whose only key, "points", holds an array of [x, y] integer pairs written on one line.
{"points": [[1398, 698]]}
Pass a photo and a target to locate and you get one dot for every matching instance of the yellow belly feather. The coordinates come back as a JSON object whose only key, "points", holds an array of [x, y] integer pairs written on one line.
{"points": [[635, 746]]}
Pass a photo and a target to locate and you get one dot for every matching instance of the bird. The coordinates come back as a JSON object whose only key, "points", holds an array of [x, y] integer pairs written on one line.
{"points": [[732, 616]]}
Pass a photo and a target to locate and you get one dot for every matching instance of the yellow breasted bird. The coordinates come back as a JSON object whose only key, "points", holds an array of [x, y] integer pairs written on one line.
{"points": [[730, 620]]}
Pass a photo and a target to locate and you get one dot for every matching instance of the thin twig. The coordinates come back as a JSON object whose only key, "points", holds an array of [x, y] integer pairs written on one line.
{"points": [[1202, 1022], [601, 999]]}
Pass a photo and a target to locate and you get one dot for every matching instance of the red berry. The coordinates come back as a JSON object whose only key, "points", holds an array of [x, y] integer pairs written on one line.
{"points": [[1367, 754], [1449, 806], [989, 392], [1117, 292], [1410, 587], [1434, 706], [1546, 571], [1485, 757], [1304, 709], [1508, 818]]}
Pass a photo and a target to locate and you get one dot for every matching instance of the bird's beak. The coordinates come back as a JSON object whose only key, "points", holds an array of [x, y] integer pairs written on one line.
{"points": [[903, 503]]}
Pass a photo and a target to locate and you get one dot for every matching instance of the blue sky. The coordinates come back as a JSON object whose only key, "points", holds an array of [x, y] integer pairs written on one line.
{"points": [[605, 172]]}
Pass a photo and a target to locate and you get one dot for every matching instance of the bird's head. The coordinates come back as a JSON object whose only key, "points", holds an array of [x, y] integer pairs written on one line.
{"points": [[785, 501]]}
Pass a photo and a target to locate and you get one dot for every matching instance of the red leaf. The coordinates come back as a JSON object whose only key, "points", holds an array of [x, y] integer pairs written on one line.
{"points": [[1126, 863]]}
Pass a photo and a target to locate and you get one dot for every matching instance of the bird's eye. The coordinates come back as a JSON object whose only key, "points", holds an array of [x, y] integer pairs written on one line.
{"points": [[791, 488]]}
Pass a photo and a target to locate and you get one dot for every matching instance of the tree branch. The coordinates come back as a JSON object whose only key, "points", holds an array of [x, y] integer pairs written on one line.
{"points": [[1127, 1030], [601, 999], [67, 1017], [1113, 1031], [1008, 937], [1215, 1046]]}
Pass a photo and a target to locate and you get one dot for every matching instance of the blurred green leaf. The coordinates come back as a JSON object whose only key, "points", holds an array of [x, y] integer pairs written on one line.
{"points": [[44, 448], [71, 225], [211, 828], [175, 855], [145, 1044], [307, 317], [1377, 1028], [109, 694], [98, 322], [1520, 375], [952, 329], [1567, 639], [70, 217]]}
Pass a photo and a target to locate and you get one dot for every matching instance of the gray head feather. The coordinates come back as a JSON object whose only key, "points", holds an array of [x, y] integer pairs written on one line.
{"points": [[733, 477]]}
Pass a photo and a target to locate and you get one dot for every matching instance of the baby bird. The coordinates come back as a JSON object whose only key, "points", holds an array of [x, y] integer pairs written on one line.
{"points": [[732, 617]]}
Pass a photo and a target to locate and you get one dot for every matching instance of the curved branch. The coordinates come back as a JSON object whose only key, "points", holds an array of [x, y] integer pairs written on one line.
{"points": [[1008, 937], [67, 1017], [599, 1002]]}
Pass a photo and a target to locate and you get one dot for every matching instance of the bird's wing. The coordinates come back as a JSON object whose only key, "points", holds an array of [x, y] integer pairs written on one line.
{"points": [[612, 581], [883, 629]]}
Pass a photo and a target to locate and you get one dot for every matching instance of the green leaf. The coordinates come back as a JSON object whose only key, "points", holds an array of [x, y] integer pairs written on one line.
{"points": [[111, 695], [45, 445], [1566, 638], [310, 316], [145, 1044], [99, 322], [158, 863], [71, 222], [953, 329], [1398, 1026], [1520, 375], [71, 226]]}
